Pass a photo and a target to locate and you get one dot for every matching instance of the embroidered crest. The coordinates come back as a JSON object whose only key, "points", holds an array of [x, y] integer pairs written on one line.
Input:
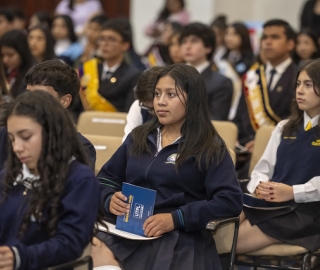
{"points": [[289, 138], [171, 159]]}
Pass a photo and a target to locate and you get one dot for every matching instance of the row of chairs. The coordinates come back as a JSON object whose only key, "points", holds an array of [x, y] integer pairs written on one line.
{"points": [[105, 131]]}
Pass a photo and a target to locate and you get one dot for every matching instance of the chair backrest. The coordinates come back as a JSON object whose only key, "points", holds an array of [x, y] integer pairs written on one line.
{"points": [[105, 147], [228, 132], [102, 123], [261, 140]]}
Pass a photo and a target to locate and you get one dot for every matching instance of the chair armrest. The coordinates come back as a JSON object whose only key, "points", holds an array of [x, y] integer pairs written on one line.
{"points": [[215, 224], [87, 260]]}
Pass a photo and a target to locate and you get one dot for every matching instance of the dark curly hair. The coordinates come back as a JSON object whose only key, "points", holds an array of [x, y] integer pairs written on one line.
{"points": [[59, 144]]}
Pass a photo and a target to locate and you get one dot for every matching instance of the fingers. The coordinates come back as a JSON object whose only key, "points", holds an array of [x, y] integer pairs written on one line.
{"points": [[117, 204], [158, 224], [6, 258]]}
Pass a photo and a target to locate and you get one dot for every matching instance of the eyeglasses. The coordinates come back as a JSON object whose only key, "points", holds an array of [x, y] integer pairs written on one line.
{"points": [[144, 107]]}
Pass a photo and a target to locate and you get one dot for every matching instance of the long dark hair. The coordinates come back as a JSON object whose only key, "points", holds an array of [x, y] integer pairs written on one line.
{"points": [[165, 12], [59, 144], [17, 40], [69, 24], [200, 139], [243, 32], [312, 68], [314, 37], [49, 50], [3, 86]]}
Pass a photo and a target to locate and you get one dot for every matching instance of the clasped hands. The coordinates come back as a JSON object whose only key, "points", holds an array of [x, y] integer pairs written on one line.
{"points": [[155, 225], [274, 192]]}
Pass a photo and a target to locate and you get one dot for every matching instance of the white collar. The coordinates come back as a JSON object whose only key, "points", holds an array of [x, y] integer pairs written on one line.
{"points": [[281, 68], [306, 119], [106, 68], [201, 67]]}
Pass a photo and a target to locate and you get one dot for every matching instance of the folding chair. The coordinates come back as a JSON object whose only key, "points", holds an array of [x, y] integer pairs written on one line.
{"points": [[105, 147], [102, 123], [228, 132]]}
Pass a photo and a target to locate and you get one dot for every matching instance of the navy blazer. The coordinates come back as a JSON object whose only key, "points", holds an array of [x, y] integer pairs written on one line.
{"points": [[219, 92], [280, 99], [88, 147], [119, 92]]}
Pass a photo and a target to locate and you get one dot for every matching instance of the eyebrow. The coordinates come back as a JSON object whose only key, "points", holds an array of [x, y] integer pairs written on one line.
{"points": [[20, 131]]}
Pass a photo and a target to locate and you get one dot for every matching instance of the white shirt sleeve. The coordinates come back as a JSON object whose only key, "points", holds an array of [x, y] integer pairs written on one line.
{"points": [[134, 119], [264, 169]]}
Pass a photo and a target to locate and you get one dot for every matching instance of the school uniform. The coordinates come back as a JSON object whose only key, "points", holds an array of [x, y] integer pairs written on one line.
{"points": [[36, 249], [192, 196], [273, 104], [292, 160], [136, 117], [87, 145], [219, 91], [240, 62], [108, 88]]}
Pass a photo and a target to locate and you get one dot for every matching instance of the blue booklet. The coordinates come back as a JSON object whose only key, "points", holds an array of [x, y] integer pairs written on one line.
{"points": [[141, 202]]}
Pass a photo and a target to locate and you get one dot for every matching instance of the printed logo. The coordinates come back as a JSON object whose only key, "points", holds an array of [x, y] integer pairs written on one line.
{"points": [[171, 159], [316, 143], [138, 210], [289, 138]]}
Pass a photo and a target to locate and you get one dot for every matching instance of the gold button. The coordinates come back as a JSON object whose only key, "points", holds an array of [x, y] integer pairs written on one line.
{"points": [[113, 80]]}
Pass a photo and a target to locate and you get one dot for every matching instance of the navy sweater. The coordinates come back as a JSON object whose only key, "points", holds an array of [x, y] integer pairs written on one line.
{"points": [[78, 212], [88, 147], [193, 197]]}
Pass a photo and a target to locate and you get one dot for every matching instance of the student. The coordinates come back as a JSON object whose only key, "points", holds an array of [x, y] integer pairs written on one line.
{"points": [[174, 47], [92, 34], [61, 81], [141, 109], [16, 58], [288, 172], [19, 18], [108, 85], [192, 173], [66, 46], [197, 43], [40, 43], [47, 179], [239, 51], [267, 98], [6, 20], [307, 47]]}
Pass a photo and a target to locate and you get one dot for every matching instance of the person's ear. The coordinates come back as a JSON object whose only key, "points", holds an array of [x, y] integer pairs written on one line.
{"points": [[66, 100]]}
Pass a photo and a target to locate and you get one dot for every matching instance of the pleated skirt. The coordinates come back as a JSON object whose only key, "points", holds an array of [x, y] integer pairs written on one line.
{"points": [[176, 250]]}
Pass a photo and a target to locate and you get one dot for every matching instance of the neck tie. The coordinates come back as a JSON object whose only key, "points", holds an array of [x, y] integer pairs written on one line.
{"points": [[106, 75], [308, 127], [272, 72]]}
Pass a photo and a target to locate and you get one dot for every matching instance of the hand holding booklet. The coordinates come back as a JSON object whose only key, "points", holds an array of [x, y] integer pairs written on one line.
{"points": [[141, 201], [251, 201]]}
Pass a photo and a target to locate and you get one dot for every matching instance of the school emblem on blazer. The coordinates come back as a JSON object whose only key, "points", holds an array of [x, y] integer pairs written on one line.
{"points": [[279, 89], [171, 159], [316, 143], [113, 80]]}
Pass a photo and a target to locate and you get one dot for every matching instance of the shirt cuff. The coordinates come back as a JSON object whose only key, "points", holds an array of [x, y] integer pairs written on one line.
{"points": [[299, 193], [178, 219], [17, 258]]}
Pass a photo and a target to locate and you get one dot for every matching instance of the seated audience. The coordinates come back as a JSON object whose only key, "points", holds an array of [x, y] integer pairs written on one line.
{"points": [[307, 47], [197, 43], [141, 109], [107, 84], [179, 154], [66, 46], [239, 51], [41, 43], [288, 172], [46, 186], [16, 59]]}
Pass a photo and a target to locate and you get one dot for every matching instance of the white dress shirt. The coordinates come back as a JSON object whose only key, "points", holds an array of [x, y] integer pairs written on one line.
{"points": [[106, 69], [201, 67], [281, 68], [134, 119], [263, 171]]}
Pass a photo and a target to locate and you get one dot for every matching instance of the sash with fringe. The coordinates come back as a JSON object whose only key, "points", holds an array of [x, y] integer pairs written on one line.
{"points": [[257, 98], [90, 97]]}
